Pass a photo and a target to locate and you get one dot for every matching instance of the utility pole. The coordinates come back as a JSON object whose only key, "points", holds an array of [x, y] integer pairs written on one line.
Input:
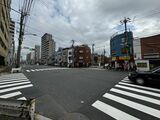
{"points": [[93, 53], [20, 39], [104, 54], [125, 21]]}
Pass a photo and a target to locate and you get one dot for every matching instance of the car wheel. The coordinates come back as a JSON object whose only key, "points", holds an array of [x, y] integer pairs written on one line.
{"points": [[140, 81]]}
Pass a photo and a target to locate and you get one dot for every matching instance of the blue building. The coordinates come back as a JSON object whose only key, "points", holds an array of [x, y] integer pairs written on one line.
{"points": [[121, 47]]}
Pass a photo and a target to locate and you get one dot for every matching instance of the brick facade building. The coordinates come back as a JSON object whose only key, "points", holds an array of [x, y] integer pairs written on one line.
{"points": [[150, 47], [82, 56]]}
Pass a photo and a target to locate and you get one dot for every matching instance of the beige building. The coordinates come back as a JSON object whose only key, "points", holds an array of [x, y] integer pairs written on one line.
{"points": [[4, 30], [47, 49], [11, 45]]}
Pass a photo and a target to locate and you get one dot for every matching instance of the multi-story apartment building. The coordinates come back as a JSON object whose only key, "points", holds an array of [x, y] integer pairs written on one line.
{"points": [[4, 30], [82, 56], [11, 45], [37, 54], [47, 49]]}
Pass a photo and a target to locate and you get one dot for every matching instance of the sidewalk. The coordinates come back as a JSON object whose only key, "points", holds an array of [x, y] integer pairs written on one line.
{"points": [[4, 70]]}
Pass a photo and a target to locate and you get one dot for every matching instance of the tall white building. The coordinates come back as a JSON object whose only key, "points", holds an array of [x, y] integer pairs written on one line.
{"points": [[137, 49], [47, 49]]}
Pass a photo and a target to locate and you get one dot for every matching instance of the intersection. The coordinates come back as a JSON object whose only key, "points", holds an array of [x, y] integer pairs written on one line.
{"points": [[90, 93]]}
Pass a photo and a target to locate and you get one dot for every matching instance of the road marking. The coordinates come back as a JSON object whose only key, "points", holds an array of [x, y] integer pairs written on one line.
{"points": [[10, 95], [28, 71], [32, 70], [13, 80], [22, 98], [15, 84], [138, 86], [134, 105], [138, 90], [112, 111], [140, 97], [127, 81], [15, 88], [16, 81]]}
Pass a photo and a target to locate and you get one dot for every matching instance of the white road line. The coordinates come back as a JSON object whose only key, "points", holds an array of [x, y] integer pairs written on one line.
{"points": [[15, 88], [22, 98], [15, 84], [12, 77], [37, 69], [138, 90], [27, 70], [112, 111], [134, 105], [140, 97], [2, 83], [32, 70], [127, 81], [138, 86], [10, 95]]}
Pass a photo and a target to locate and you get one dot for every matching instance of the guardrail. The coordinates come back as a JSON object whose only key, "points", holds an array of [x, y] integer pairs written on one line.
{"points": [[16, 70], [24, 109]]}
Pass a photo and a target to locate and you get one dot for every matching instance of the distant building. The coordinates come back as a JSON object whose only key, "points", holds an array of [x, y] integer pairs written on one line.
{"points": [[70, 57], [82, 56], [137, 49], [30, 58], [122, 50], [4, 30], [37, 54], [58, 57], [47, 49], [11, 45]]}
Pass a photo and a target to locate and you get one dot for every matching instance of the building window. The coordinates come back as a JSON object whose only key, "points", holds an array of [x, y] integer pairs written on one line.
{"points": [[70, 53], [80, 51], [80, 58]]}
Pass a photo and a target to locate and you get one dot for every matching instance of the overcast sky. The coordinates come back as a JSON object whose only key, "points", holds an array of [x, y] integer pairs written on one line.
{"points": [[88, 21]]}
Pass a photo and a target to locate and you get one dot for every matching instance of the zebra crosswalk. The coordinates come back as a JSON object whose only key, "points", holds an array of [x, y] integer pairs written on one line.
{"points": [[10, 86], [143, 100], [46, 69]]}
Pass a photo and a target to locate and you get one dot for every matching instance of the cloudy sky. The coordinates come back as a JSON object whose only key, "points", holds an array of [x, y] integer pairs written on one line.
{"points": [[87, 21]]}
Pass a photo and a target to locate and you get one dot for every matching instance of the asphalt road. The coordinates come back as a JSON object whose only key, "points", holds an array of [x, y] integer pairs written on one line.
{"points": [[78, 94]]}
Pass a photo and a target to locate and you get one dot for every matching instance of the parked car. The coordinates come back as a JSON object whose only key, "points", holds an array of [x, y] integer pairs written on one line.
{"points": [[144, 77]]}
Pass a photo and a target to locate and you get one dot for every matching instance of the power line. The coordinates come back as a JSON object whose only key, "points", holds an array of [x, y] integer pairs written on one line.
{"points": [[11, 8]]}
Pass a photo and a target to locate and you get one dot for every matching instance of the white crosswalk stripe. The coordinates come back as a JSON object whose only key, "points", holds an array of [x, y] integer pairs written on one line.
{"points": [[9, 84], [46, 69], [113, 112], [10, 95], [125, 93]]}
